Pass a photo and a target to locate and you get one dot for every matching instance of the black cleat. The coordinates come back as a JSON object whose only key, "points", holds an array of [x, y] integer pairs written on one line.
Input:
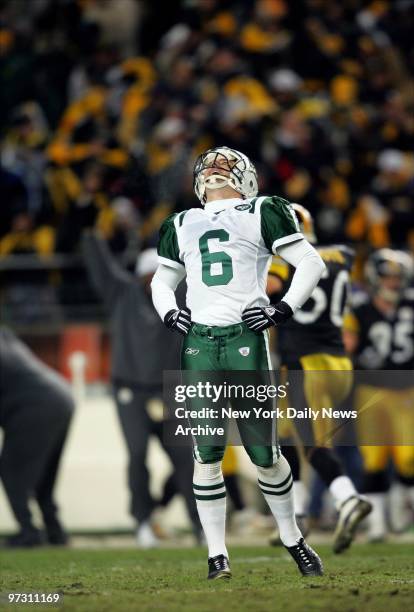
{"points": [[55, 534], [218, 567], [351, 513], [26, 538], [307, 560]]}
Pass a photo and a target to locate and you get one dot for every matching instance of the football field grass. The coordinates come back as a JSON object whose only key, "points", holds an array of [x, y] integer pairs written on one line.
{"points": [[368, 577]]}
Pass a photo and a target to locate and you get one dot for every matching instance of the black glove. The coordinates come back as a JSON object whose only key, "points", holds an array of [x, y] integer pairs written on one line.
{"points": [[259, 318], [178, 320]]}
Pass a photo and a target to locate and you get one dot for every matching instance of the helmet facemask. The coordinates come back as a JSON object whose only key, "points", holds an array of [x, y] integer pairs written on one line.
{"points": [[234, 169], [388, 272]]}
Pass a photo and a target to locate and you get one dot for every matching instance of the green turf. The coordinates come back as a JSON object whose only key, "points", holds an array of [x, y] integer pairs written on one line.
{"points": [[374, 578]]}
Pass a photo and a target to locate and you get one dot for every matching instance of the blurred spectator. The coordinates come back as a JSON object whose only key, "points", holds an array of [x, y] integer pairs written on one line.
{"points": [[137, 375], [35, 412], [393, 186], [18, 230], [285, 85], [14, 193], [167, 154], [121, 226], [314, 96], [23, 152], [25, 237], [265, 35], [118, 22], [384, 213], [85, 200]]}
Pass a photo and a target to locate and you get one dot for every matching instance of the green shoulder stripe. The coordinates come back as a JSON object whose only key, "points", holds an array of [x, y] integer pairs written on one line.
{"points": [[253, 206], [181, 217], [278, 221], [168, 242]]}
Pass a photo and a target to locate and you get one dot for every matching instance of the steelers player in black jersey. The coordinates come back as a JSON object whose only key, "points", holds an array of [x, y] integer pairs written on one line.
{"points": [[312, 343], [379, 332]]}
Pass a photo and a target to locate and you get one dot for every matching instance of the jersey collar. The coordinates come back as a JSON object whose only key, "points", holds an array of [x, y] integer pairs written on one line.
{"points": [[215, 205]]}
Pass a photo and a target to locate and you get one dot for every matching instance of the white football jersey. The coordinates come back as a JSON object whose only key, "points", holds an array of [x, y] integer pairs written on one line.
{"points": [[226, 250]]}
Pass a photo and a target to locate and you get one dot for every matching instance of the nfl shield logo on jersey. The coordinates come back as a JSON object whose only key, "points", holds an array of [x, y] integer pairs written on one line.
{"points": [[244, 350]]}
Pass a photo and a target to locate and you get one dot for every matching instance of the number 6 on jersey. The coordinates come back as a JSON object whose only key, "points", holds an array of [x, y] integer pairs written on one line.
{"points": [[210, 259]]}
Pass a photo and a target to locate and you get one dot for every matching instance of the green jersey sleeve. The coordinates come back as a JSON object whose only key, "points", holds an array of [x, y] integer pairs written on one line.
{"points": [[279, 224], [168, 249]]}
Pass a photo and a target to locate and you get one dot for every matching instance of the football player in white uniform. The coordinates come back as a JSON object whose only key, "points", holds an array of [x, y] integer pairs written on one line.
{"points": [[224, 249]]}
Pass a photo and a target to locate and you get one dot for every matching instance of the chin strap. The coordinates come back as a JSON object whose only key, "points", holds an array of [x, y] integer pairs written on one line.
{"points": [[217, 181]]}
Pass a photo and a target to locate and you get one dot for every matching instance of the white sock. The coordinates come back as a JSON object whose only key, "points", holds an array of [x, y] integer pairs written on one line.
{"points": [[300, 498], [341, 489], [377, 527], [210, 494], [399, 510], [146, 537], [275, 483]]}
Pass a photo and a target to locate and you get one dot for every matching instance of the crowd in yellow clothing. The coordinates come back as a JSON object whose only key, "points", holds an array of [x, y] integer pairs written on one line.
{"points": [[320, 98]]}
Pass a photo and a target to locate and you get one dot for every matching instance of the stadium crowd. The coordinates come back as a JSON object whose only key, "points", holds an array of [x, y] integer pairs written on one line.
{"points": [[105, 103]]}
